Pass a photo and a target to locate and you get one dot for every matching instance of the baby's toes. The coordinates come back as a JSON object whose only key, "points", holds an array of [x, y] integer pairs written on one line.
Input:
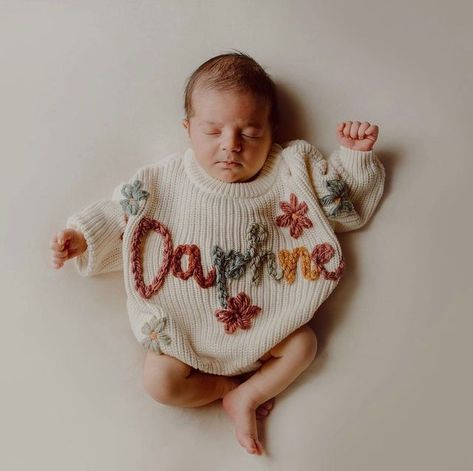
{"points": [[259, 447], [252, 445]]}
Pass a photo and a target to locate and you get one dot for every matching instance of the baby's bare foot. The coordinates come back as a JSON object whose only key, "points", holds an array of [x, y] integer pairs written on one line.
{"points": [[240, 409], [264, 409]]}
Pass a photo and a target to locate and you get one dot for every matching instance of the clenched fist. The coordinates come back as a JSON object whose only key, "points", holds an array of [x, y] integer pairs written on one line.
{"points": [[356, 135], [65, 245]]}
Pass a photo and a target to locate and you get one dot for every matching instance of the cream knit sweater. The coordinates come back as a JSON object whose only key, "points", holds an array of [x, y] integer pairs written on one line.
{"points": [[216, 273]]}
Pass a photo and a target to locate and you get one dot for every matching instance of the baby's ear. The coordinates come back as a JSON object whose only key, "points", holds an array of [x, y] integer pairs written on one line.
{"points": [[186, 125]]}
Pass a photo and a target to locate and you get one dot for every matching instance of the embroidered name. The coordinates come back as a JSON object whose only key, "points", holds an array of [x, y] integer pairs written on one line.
{"points": [[227, 265]]}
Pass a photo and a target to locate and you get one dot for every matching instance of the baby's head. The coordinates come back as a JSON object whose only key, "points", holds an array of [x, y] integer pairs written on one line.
{"points": [[231, 116]]}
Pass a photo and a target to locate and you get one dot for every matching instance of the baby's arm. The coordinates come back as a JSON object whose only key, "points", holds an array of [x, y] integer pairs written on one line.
{"points": [[350, 184], [94, 235]]}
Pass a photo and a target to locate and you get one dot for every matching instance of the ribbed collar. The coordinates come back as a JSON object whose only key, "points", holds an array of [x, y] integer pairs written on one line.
{"points": [[263, 182]]}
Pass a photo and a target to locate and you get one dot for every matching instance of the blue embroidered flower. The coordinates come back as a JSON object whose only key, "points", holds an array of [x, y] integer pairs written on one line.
{"points": [[154, 336], [133, 194], [338, 195]]}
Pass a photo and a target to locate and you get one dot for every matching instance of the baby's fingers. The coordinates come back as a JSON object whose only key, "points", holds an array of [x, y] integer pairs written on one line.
{"points": [[61, 255], [362, 129], [354, 129], [58, 251], [348, 129], [341, 128], [55, 247], [62, 239], [373, 130], [57, 260], [64, 236]]}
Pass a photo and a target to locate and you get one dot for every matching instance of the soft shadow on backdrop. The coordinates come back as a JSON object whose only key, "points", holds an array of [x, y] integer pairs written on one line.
{"points": [[90, 91]]}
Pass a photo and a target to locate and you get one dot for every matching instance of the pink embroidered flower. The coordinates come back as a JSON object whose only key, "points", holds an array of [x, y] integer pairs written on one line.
{"points": [[294, 216], [238, 314]]}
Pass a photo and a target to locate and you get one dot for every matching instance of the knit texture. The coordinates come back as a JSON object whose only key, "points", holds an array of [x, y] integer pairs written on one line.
{"points": [[216, 273]]}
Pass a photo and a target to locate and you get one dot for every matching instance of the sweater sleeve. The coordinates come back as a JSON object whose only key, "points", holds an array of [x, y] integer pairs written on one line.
{"points": [[102, 223], [349, 186]]}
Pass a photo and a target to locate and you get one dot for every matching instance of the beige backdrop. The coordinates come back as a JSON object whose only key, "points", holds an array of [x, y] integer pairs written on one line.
{"points": [[91, 90]]}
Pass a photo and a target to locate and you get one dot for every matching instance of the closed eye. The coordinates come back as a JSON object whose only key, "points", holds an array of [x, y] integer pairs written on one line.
{"points": [[216, 133]]}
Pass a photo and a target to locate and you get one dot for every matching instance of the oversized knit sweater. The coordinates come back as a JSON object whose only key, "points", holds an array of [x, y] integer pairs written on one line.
{"points": [[216, 273]]}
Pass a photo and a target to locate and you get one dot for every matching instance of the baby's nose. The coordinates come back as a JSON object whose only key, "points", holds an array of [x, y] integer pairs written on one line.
{"points": [[231, 144]]}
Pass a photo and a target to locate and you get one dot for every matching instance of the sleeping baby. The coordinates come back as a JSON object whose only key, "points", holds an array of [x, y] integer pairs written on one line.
{"points": [[229, 248]]}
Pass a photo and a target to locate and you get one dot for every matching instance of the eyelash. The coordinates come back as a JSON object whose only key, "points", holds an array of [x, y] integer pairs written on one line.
{"points": [[244, 135]]}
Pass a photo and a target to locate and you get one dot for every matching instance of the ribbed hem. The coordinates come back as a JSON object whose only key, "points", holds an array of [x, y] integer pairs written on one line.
{"points": [[357, 162], [264, 181]]}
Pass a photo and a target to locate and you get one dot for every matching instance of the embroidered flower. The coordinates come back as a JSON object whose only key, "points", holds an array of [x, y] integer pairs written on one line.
{"points": [[133, 194], [338, 195], [294, 216], [239, 313], [154, 336]]}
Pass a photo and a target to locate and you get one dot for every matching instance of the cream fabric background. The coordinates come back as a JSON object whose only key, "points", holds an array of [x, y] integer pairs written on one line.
{"points": [[91, 90]]}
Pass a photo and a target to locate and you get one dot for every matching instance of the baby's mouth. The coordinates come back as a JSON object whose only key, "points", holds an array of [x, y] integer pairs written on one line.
{"points": [[229, 164]]}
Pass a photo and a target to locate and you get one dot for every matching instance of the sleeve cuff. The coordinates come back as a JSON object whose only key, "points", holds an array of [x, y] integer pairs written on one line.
{"points": [[357, 162], [98, 232], [83, 262]]}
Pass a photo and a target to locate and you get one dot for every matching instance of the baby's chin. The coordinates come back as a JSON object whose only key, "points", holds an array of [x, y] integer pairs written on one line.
{"points": [[230, 177]]}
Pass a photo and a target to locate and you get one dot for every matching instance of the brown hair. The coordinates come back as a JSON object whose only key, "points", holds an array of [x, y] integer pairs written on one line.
{"points": [[234, 71]]}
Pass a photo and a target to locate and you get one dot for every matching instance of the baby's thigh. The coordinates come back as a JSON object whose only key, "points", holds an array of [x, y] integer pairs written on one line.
{"points": [[162, 375], [301, 343]]}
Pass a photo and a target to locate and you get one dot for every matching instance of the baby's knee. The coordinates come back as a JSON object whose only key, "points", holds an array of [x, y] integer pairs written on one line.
{"points": [[163, 376], [305, 343], [302, 344]]}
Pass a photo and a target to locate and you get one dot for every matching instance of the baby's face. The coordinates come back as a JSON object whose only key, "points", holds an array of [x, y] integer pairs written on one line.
{"points": [[229, 126]]}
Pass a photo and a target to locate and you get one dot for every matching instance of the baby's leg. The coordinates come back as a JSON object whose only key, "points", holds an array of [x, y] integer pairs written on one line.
{"points": [[291, 357], [172, 382]]}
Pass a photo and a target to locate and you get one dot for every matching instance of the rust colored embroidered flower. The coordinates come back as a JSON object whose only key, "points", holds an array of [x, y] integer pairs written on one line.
{"points": [[294, 216], [238, 314]]}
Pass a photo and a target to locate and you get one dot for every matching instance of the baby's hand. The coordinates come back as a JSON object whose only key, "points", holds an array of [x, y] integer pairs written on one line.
{"points": [[65, 245], [356, 135]]}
